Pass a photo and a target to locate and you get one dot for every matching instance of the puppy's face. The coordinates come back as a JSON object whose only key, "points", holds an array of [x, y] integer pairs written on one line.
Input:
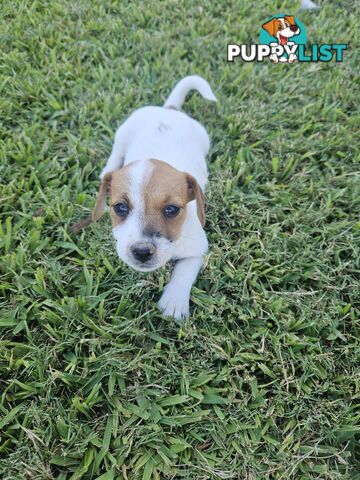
{"points": [[282, 28], [148, 208]]}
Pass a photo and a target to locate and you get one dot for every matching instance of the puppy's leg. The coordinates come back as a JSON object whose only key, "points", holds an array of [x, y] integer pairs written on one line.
{"points": [[174, 301], [116, 159], [275, 49]]}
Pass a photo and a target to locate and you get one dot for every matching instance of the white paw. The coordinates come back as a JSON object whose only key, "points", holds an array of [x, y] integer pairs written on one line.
{"points": [[174, 304]]}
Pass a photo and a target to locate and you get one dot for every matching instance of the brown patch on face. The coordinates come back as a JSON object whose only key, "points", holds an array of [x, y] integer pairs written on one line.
{"points": [[115, 185], [167, 186], [272, 26]]}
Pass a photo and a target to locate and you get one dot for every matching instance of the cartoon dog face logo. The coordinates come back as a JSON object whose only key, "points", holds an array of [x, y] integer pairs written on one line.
{"points": [[282, 28]]}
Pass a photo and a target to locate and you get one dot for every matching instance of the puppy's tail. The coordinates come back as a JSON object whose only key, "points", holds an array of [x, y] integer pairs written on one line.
{"points": [[193, 82]]}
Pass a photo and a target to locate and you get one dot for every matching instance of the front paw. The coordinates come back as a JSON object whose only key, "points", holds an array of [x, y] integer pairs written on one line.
{"points": [[174, 304], [292, 58]]}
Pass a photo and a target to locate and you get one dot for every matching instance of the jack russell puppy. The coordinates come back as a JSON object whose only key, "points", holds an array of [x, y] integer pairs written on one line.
{"points": [[155, 178]]}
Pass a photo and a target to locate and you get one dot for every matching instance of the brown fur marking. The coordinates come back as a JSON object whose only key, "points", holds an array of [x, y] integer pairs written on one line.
{"points": [[115, 185], [166, 186], [274, 25]]}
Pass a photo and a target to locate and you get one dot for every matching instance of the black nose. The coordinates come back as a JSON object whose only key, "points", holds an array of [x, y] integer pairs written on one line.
{"points": [[142, 253], [293, 28]]}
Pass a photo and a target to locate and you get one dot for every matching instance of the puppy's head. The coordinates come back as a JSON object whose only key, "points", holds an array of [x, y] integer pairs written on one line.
{"points": [[148, 209], [282, 28]]}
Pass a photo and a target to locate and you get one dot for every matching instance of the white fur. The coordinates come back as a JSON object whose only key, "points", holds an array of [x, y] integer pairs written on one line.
{"points": [[182, 142], [194, 82]]}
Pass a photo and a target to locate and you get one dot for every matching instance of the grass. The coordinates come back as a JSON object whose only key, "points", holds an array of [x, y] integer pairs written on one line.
{"points": [[263, 381]]}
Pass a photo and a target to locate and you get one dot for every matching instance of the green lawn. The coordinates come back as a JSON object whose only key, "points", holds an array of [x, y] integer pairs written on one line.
{"points": [[262, 382]]}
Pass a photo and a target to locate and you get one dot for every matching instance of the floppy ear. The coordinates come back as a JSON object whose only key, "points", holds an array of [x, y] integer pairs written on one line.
{"points": [[104, 192], [195, 193], [290, 19], [270, 26]]}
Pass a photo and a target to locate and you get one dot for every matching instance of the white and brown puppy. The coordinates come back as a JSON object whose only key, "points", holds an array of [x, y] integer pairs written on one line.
{"points": [[283, 29], [155, 178]]}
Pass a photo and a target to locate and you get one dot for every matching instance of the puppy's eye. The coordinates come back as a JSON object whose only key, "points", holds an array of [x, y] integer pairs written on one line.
{"points": [[171, 211], [280, 27], [121, 209]]}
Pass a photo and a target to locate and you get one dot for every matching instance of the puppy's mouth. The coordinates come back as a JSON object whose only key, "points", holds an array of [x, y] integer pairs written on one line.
{"points": [[142, 266], [283, 40]]}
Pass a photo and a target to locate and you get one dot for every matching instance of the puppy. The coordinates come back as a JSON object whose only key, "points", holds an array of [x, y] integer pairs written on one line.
{"points": [[282, 29], [155, 178]]}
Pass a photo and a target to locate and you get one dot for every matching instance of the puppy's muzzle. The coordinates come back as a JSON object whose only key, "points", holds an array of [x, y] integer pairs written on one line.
{"points": [[143, 251]]}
